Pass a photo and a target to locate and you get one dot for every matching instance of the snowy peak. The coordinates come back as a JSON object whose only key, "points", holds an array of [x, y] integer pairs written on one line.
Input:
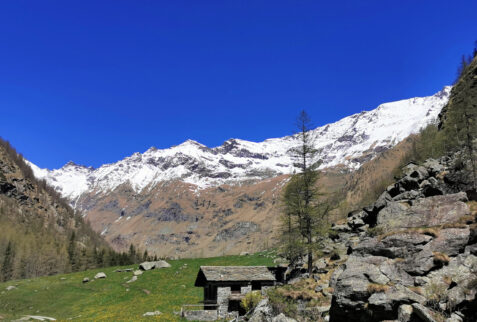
{"points": [[349, 142]]}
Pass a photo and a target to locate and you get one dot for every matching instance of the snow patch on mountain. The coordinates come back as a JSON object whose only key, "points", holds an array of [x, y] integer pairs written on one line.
{"points": [[350, 142]]}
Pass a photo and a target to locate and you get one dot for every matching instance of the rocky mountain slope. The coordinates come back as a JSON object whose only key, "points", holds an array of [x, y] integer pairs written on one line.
{"points": [[423, 253], [35, 223], [410, 256], [191, 200]]}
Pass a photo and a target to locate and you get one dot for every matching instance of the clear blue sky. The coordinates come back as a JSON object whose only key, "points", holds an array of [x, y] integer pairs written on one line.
{"points": [[95, 81]]}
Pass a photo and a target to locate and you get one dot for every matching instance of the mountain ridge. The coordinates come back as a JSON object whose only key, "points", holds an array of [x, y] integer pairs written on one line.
{"points": [[348, 142]]}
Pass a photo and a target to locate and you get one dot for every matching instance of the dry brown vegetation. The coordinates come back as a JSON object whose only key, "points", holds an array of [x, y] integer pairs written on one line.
{"points": [[441, 258], [377, 288], [417, 289]]}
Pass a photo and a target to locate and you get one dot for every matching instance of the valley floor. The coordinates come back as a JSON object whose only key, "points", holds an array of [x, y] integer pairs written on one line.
{"points": [[66, 297]]}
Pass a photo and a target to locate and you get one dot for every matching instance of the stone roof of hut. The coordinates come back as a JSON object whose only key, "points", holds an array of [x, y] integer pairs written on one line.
{"points": [[233, 274]]}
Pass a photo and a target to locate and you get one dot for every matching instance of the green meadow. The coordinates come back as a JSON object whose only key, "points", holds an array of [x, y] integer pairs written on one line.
{"points": [[65, 297]]}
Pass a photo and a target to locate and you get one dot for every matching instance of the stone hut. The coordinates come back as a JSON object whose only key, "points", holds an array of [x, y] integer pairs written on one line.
{"points": [[225, 286]]}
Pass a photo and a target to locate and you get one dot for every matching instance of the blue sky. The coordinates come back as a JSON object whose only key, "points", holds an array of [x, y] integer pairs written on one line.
{"points": [[95, 81]]}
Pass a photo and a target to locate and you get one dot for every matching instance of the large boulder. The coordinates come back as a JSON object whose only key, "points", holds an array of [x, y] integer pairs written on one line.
{"points": [[385, 304], [425, 212], [397, 245], [433, 167], [451, 241], [419, 264], [146, 266]]}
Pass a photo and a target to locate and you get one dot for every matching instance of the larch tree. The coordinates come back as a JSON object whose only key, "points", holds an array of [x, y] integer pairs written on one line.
{"points": [[304, 215]]}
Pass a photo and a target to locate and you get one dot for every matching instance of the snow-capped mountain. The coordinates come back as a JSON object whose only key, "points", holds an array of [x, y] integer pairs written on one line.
{"points": [[350, 142]]}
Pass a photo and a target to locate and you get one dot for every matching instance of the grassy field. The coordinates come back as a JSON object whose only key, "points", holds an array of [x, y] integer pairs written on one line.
{"points": [[66, 297]]}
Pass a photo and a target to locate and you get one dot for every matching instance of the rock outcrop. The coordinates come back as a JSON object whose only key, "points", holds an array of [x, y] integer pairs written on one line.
{"points": [[417, 260]]}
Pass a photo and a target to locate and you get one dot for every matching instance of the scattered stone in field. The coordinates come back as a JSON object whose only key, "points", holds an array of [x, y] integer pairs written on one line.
{"points": [[11, 287], [36, 318], [100, 275], [127, 290], [146, 291], [85, 280], [152, 313], [63, 278], [244, 254], [137, 273], [133, 279]]}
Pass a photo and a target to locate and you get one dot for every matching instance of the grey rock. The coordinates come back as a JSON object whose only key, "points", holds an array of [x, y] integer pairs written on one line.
{"points": [[282, 318], [336, 274], [341, 228], [133, 279], [137, 272], [425, 212], [320, 263], [422, 312], [146, 266], [421, 280], [473, 235], [36, 318], [351, 287], [419, 264], [409, 183], [416, 171], [393, 214], [100, 275], [451, 241], [407, 195], [382, 201], [454, 318], [155, 313], [433, 167], [85, 280], [404, 313], [394, 246], [385, 304], [456, 295], [10, 288], [262, 312], [472, 249], [396, 274]]}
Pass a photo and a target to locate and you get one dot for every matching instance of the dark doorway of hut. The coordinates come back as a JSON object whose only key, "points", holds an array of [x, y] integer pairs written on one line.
{"points": [[235, 306]]}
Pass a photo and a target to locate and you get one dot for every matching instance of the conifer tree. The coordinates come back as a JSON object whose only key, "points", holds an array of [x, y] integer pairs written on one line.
{"points": [[7, 266], [72, 251], [461, 123], [304, 215], [132, 254], [145, 256]]}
